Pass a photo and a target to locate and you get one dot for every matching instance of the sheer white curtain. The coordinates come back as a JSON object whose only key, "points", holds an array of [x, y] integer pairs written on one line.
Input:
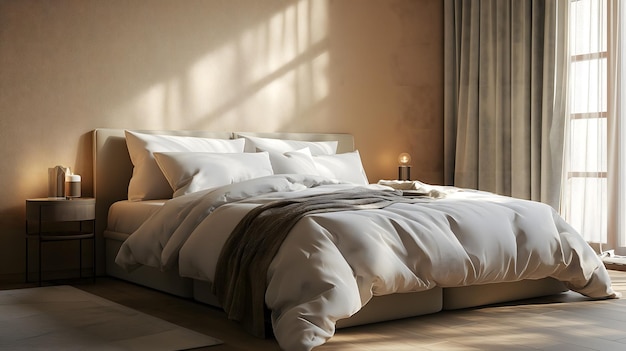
{"points": [[594, 195]]}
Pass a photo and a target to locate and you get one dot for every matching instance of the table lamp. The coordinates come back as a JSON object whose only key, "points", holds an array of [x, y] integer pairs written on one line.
{"points": [[404, 169]]}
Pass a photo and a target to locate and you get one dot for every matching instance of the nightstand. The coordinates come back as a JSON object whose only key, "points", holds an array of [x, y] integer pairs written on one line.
{"points": [[58, 219]]}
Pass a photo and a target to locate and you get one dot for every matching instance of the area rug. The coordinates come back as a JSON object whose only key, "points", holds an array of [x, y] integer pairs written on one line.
{"points": [[66, 318]]}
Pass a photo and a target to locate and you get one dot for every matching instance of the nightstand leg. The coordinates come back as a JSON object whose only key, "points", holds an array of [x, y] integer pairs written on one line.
{"points": [[26, 255], [26, 273], [93, 253], [39, 281], [80, 258], [39, 244], [80, 251]]}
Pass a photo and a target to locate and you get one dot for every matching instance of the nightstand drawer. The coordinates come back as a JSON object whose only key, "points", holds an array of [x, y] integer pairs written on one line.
{"points": [[60, 210]]}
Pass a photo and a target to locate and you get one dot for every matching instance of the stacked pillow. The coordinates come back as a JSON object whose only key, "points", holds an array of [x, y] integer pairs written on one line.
{"points": [[168, 166], [148, 181], [292, 156]]}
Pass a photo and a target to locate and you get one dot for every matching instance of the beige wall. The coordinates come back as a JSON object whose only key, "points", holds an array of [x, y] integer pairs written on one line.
{"points": [[372, 68]]}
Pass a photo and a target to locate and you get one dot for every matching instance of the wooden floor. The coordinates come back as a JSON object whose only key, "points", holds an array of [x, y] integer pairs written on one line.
{"points": [[563, 322]]}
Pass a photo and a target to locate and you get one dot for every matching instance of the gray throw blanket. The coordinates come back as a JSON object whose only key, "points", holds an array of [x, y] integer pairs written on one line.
{"points": [[241, 274]]}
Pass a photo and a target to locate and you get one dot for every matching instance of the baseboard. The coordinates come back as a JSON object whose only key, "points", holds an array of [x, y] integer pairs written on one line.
{"points": [[11, 278], [615, 266]]}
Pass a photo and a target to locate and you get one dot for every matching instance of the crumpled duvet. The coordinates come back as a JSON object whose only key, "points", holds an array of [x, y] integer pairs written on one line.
{"points": [[333, 263]]}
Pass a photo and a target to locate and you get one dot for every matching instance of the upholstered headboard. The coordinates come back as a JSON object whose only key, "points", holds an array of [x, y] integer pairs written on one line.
{"points": [[113, 168]]}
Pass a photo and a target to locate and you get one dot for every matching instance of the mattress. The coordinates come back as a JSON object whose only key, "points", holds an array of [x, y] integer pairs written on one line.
{"points": [[126, 216]]}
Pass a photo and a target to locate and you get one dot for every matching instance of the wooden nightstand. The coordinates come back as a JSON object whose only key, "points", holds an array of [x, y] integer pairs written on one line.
{"points": [[59, 220]]}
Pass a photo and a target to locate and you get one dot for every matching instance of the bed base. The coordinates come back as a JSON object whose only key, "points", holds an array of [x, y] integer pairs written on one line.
{"points": [[406, 305], [378, 309], [489, 294], [169, 281]]}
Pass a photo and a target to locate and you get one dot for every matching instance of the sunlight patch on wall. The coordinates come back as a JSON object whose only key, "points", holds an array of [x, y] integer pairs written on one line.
{"points": [[272, 45], [285, 96], [320, 86], [210, 82], [267, 75]]}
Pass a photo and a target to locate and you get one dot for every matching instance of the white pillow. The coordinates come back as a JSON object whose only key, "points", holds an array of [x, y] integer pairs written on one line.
{"points": [[345, 167], [293, 162], [148, 182], [188, 172], [253, 144]]}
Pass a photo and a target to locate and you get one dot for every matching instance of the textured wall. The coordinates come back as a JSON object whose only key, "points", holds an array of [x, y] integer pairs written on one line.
{"points": [[371, 68]]}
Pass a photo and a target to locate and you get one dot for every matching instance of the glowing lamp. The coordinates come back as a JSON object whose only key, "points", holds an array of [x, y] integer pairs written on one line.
{"points": [[404, 169]]}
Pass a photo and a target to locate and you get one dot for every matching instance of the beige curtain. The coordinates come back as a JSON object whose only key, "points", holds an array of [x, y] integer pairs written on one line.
{"points": [[617, 127], [505, 101]]}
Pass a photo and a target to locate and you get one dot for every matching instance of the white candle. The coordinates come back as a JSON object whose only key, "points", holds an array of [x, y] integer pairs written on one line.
{"points": [[72, 185]]}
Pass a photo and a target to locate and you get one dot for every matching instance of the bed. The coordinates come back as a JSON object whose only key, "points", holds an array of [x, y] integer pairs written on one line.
{"points": [[171, 261]]}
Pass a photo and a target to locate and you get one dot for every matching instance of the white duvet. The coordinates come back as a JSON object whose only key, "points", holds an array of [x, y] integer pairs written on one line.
{"points": [[338, 261]]}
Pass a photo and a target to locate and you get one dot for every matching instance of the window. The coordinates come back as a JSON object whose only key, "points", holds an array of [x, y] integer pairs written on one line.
{"points": [[594, 200], [586, 163]]}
